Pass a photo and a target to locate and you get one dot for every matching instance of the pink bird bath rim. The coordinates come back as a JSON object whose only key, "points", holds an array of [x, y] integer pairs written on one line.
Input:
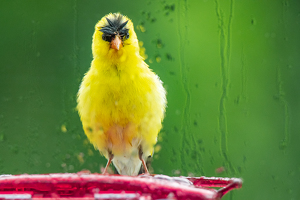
{"points": [[103, 187]]}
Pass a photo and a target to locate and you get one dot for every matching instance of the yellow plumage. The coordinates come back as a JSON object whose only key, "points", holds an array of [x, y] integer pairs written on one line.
{"points": [[121, 102]]}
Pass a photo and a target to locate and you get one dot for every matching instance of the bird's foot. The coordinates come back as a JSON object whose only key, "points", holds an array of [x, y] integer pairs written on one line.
{"points": [[111, 156]]}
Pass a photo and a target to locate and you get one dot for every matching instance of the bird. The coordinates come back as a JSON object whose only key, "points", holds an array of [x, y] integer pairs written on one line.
{"points": [[121, 101]]}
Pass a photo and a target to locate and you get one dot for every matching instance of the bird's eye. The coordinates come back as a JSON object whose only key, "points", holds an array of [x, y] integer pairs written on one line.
{"points": [[125, 35], [106, 37]]}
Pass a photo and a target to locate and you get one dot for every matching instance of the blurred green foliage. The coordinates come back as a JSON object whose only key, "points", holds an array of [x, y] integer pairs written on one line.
{"points": [[231, 70]]}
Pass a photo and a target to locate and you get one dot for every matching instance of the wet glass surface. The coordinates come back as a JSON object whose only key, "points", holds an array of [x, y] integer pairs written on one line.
{"points": [[230, 68]]}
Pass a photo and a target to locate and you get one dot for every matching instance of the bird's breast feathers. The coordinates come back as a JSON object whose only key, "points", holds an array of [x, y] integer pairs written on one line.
{"points": [[121, 105]]}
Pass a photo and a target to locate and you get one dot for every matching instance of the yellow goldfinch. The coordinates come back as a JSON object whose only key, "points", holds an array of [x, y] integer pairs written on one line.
{"points": [[121, 102]]}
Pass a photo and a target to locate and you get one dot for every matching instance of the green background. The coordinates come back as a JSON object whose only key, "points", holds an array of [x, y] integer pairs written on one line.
{"points": [[231, 70]]}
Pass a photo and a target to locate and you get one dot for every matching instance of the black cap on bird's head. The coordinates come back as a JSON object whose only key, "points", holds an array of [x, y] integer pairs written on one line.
{"points": [[115, 31]]}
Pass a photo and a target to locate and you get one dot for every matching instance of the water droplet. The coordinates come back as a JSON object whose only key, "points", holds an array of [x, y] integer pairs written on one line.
{"points": [[141, 28], [2, 137], [191, 174], [176, 172], [220, 170], [286, 3], [67, 156], [157, 148], [175, 129], [283, 145], [169, 57], [86, 142], [239, 169], [244, 159], [160, 138], [80, 157], [71, 167], [237, 100], [158, 59], [195, 123], [159, 43], [276, 97], [90, 152], [253, 21], [63, 128]]}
